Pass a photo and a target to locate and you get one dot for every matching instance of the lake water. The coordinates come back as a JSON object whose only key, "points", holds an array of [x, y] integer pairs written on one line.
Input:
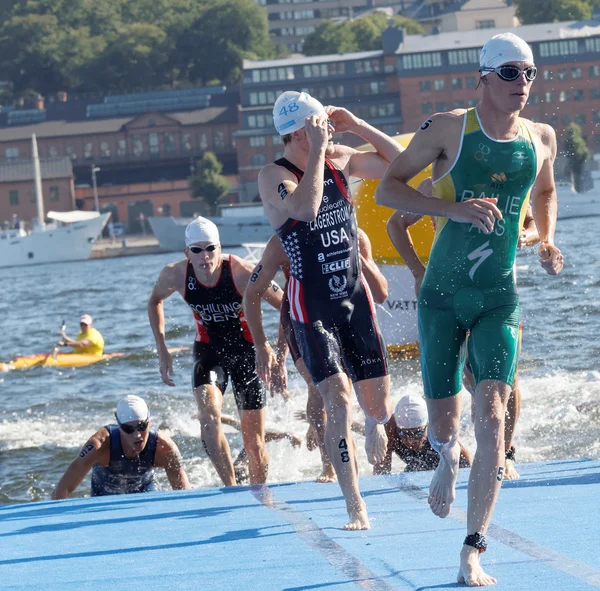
{"points": [[46, 414]]}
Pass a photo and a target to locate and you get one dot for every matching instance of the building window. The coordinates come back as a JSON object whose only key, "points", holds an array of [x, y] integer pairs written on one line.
{"points": [[153, 143], [104, 150], [564, 96], [472, 103], [578, 94], [566, 47], [549, 97], [257, 141], [53, 152], [417, 61], [438, 84], [456, 83], [533, 99], [13, 197], [596, 116], [54, 194], [121, 147], [12, 154], [592, 45], [186, 142], [219, 140], [594, 71], [138, 145], [441, 106], [580, 119], [425, 85], [459, 104], [486, 24], [88, 151], [169, 140], [471, 82], [463, 56], [203, 141], [70, 152], [565, 119], [562, 73], [276, 140], [548, 75], [258, 160], [552, 120], [427, 108], [576, 73]]}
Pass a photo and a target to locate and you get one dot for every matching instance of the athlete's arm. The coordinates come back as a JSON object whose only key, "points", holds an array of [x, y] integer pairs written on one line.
{"points": [[385, 467], [260, 281], [281, 194], [429, 146], [168, 457], [529, 233], [365, 165], [374, 277], [164, 287], [95, 450], [544, 202]]}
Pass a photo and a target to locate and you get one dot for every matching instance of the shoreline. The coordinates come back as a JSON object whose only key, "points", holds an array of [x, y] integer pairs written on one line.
{"points": [[105, 248]]}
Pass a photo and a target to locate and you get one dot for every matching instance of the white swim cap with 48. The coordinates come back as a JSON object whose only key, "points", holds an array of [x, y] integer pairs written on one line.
{"points": [[291, 110]]}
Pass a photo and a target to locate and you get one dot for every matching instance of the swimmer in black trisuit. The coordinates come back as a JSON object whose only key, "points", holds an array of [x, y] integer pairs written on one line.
{"points": [[307, 201], [123, 456], [213, 285]]}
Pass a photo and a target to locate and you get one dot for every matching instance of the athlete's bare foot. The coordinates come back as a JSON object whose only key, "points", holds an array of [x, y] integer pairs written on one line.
{"points": [[376, 441], [441, 489], [510, 472], [327, 474], [359, 519], [470, 572]]}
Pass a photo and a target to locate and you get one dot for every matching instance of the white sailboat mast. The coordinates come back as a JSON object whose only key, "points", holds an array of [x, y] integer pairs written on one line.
{"points": [[37, 175]]}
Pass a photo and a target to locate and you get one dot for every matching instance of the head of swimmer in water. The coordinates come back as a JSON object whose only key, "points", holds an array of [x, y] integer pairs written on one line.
{"points": [[290, 113], [507, 72], [411, 419], [133, 418], [202, 245]]}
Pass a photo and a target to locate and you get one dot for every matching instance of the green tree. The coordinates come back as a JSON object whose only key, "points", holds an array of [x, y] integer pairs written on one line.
{"points": [[549, 11], [577, 153], [330, 37], [208, 182], [214, 45], [410, 26]]}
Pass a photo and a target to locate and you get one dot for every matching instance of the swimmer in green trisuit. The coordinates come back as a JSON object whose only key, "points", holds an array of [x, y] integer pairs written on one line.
{"points": [[487, 162]]}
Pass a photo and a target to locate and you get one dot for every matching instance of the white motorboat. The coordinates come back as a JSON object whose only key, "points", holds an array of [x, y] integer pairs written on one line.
{"points": [[238, 225], [69, 238]]}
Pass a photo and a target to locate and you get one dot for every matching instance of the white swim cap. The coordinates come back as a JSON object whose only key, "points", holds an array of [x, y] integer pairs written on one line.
{"points": [[201, 230], [502, 49], [291, 110], [411, 412], [86, 319], [132, 408]]}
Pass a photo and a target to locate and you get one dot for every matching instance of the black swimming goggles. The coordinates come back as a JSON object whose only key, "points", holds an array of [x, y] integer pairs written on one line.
{"points": [[199, 249], [130, 429], [510, 73]]}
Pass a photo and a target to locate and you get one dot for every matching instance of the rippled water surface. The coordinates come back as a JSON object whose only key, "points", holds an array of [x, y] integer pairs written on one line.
{"points": [[46, 414]]}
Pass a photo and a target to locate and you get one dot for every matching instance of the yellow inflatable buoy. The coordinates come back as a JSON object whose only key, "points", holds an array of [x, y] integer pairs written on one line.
{"points": [[398, 315]]}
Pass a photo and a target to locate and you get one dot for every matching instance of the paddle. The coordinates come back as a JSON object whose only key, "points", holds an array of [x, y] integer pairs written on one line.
{"points": [[56, 347]]}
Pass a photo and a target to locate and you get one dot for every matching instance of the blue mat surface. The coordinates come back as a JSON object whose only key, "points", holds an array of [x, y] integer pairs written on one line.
{"points": [[545, 536]]}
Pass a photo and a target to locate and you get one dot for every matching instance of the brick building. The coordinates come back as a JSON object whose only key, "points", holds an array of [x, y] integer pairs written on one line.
{"points": [[140, 142]]}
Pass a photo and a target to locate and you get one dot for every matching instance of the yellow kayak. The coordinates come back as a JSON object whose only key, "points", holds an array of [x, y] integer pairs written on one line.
{"points": [[62, 360]]}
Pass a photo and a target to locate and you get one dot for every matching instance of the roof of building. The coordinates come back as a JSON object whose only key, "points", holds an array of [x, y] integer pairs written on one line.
{"points": [[22, 170], [96, 126], [477, 38], [313, 59]]}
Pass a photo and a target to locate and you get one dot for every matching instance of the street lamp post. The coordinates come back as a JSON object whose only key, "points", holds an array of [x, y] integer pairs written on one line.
{"points": [[95, 169]]}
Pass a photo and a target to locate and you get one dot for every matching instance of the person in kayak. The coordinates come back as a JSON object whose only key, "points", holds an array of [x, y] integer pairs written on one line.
{"points": [[89, 341], [122, 457]]}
